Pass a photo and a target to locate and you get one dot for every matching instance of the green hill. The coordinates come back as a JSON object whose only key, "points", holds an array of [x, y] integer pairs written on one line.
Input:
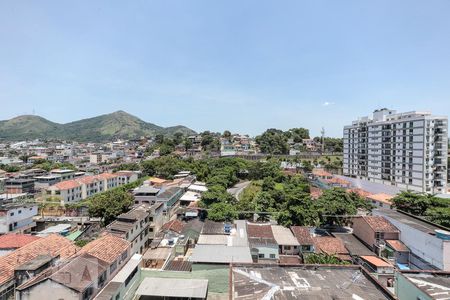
{"points": [[101, 128]]}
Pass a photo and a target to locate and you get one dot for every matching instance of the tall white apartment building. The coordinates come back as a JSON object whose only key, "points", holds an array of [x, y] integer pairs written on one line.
{"points": [[407, 150]]}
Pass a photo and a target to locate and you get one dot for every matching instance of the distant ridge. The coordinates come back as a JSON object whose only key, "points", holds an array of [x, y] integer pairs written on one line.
{"points": [[116, 125]]}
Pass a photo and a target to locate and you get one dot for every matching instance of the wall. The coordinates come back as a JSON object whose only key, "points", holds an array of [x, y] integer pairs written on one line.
{"points": [[44, 289], [404, 289], [424, 245]]}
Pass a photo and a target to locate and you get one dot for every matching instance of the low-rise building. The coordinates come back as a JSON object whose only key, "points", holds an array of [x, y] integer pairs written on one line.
{"points": [[10, 242], [125, 283], [17, 217], [262, 242], [134, 226], [54, 245], [429, 244], [373, 230], [65, 174], [304, 238], [19, 185], [287, 243]]}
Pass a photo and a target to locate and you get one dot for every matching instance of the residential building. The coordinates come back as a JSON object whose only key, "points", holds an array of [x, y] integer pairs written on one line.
{"points": [[10, 242], [262, 242], [65, 174], [68, 191], [380, 200], [54, 245], [331, 246], [17, 217], [134, 226], [304, 238], [374, 230], [406, 150], [145, 194], [287, 243], [19, 186], [125, 283], [125, 177], [429, 244], [43, 182]]}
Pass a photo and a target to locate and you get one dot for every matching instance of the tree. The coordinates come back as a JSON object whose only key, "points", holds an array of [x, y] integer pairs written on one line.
{"points": [[216, 193], [222, 211], [273, 141], [298, 134], [178, 138], [411, 202], [110, 204], [226, 134], [324, 259], [187, 144], [159, 138], [335, 203]]}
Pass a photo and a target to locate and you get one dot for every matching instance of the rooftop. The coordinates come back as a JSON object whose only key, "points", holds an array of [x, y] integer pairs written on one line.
{"points": [[435, 284], [380, 224], [353, 244], [303, 235], [165, 287], [107, 248], [53, 245], [13, 241], [284, 236], [221, 254], [409, 220], [280, 283], [174, 225]]}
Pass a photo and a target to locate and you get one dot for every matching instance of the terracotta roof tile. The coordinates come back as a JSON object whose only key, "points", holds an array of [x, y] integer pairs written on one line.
{"points": [[359, 191], [302, 233], [174, 225], [330, 245], [263, 231], [397, 245], [380, 224], [13, 241], [67, 184], [52, 245], [376, 261], [107, 248]]}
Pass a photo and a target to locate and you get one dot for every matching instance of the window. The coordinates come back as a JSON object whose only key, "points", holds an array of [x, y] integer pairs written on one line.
{"points": [[11, 214], [261, 255], [124, 255], [272, 256], [379, 235], [102, 279], [113, 267]]}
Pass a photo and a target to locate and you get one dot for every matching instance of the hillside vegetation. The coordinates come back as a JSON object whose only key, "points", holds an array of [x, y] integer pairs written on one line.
{"points": [[101, 128]]}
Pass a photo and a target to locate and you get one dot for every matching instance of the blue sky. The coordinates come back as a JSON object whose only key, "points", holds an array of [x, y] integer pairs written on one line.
{"points": [[238, 65]]}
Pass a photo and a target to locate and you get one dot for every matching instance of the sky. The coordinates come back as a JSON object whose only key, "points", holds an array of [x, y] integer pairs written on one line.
{"points": [[242, 66]]}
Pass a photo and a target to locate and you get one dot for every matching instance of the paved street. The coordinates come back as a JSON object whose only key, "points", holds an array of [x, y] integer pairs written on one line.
{"points": [[238, 188]]}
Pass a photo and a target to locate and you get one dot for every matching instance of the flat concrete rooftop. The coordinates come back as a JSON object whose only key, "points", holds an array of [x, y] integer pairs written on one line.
{"points": [[307, 282]]}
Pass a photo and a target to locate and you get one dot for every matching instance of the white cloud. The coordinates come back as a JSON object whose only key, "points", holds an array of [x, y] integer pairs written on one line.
{"points": [[327, 103]]}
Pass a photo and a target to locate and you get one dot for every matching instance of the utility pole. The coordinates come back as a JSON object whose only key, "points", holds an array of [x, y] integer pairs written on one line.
{"points": [[323, 139]]}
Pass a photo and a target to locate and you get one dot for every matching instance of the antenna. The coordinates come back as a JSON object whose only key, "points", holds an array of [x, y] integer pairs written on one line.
{"points": [[322, 132]]}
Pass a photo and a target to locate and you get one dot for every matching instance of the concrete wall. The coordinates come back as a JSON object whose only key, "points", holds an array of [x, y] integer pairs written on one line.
{"points": [[426, 246], [44, 289], [404, 289]]}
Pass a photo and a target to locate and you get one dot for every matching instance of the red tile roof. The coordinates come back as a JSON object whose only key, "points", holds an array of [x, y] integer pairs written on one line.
{"points": [[380, 224], [14, 241], [302, 234], [376, 261], [67, 184], [263, 231], [321, 173], [52, 245], [104, 176], [174, 225], [397, 245], [329, 245], [107, 248]]}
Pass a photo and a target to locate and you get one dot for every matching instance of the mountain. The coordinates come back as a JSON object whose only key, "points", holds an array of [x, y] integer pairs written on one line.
{"points": [[101, 128]]}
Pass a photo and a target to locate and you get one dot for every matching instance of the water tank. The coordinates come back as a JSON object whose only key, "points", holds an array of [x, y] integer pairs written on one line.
{"points": [[442, 234]]}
